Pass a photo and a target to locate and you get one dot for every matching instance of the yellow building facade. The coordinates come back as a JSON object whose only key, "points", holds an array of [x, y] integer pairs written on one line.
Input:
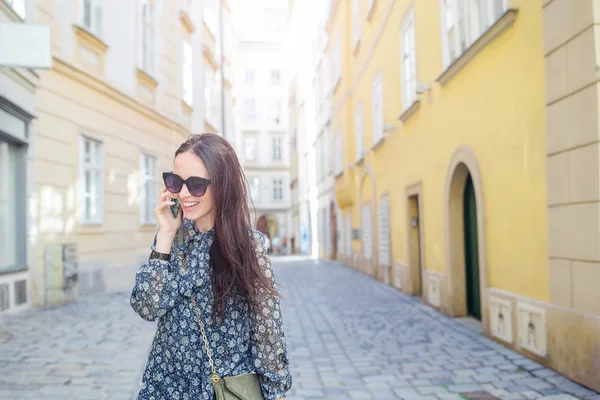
{"points": [[111, 112], [453, 165]]}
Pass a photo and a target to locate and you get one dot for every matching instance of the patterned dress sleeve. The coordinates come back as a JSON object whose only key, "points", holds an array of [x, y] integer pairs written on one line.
{"points": [[268, 348], [158, 283]]}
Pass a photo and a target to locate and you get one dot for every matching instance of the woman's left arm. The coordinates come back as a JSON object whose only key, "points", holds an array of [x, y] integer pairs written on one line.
{"points": [[268, 347]]}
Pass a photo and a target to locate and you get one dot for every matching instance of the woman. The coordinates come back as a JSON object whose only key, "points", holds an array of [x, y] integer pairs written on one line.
{"points": [[208, 263]]}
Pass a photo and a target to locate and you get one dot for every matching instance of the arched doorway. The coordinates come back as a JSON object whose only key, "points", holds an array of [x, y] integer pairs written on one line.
{"points": [[465, 237], [334, 232], [267, 224]]}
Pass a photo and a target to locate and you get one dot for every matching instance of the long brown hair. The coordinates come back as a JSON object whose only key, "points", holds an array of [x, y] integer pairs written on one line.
{"points": [[232, 254]]}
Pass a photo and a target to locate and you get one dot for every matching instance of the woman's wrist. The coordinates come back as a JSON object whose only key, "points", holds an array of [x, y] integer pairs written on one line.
{"points": [[164, 241]]}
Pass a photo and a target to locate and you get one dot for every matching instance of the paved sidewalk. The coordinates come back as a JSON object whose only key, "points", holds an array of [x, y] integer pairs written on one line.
{"points": [[349, 337]]}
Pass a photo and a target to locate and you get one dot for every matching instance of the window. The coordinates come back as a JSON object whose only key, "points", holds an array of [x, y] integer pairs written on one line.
{"points": [[92, 188], [276, 149], [187, 74], [464, 21], [12, 193], [409, 61], [384, 231], [339, 151], [358, 132], [19, 7], [149, 189], [274, 19], [367, 243], [91, 16], [254, 183], [249, 76], [377, 108], [147, 37], [277, 189], [355, 22], [250, 109], [275, 111], [250, 148], [275, 77]]}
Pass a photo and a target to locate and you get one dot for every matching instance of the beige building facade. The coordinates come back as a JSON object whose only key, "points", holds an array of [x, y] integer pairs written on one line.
{"points": [[17, 145], [123, 90], [572, 51]]}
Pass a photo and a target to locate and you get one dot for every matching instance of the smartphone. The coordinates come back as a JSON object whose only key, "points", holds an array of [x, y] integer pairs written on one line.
{"points": [[175, 207]]}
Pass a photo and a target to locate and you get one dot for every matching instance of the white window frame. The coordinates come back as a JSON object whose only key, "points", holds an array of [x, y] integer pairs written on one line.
{"points": [[377, 107], [250, 146], [148, 188], [90, 16], [385, 255], [147, 41], [254, 185], [277, 189], [250, 109], [19, 7], [277, 143], [408, 60], [95, 167], [355, 22], [359, 132], [188, 73], [464, 21]]}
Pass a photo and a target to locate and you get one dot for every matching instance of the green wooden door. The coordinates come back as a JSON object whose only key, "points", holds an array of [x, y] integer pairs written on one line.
{"points": [[471, 250]]}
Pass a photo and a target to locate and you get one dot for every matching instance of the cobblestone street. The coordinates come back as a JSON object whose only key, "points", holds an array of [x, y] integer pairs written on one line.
{"points": [[349, 337]]}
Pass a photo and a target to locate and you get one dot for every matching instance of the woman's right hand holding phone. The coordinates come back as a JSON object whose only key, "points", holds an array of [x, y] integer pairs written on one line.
{"points": [[168, 225]]}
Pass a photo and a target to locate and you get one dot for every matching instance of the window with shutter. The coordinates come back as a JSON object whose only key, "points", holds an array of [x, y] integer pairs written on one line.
{"points": [[384, 231], [367, 242]]}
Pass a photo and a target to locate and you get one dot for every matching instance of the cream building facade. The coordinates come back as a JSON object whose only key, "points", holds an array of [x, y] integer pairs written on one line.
{"points": [[17, 146], [124, 90]]}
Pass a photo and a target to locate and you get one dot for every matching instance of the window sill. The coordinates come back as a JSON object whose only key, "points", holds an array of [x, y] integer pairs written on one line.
{"points": [[360, 161], [146, 86], [379, 143], [505, 22], [356, 48], [90, 50], [372, 10], [410, 111], [91, 228], [339, 175], [187, 21]]}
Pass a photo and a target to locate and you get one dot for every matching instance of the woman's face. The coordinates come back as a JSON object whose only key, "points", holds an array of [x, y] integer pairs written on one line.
{"points": [[199, 209]]}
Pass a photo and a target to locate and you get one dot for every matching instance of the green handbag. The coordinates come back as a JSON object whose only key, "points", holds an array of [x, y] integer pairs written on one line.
{"points": [[237, 387]]}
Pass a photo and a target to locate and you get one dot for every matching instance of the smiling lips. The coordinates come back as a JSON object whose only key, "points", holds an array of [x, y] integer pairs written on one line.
{"points": [[190, 204]]}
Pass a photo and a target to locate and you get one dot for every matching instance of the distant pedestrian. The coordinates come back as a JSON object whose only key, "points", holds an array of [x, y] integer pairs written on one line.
{"points": [[210, 284]]}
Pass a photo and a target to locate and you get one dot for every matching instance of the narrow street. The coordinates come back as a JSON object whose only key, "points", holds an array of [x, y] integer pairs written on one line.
{"points": [[349, 337]]}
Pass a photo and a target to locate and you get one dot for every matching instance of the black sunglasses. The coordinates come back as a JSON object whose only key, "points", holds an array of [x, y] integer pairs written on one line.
{"points": [[196, 186]]}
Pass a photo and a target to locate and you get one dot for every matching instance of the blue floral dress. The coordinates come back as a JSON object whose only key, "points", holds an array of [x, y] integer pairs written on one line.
{"points": [[244, 341]]}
